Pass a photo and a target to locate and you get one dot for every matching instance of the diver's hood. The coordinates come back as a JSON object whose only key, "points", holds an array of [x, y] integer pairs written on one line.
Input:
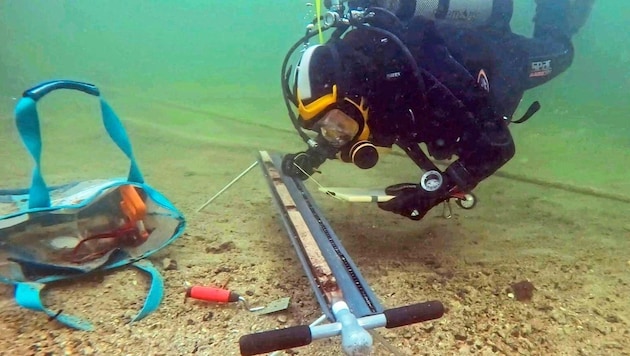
{"points": [[315, 74], [363, 64], [332, 64]]}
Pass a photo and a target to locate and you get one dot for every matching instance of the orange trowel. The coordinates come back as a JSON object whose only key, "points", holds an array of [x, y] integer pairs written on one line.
{"points": [[220, 295]]}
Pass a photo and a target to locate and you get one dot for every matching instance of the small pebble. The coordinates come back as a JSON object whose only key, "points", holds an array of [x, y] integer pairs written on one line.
{"points": [[169, 264], [208, 316], [523, 290]]}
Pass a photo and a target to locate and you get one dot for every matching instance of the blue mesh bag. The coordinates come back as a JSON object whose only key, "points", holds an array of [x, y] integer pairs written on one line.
{"points": [[49, 234]]}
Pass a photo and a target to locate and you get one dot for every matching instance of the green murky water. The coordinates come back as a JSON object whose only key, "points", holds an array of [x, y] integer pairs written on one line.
{"points": [[222, 58]]}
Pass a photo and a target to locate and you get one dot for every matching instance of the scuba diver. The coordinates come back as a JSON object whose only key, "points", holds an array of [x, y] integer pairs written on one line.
{"points": [[448, 74]]}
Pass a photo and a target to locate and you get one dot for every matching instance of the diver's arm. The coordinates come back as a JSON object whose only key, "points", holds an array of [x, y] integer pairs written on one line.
{"points": [[483, 158], [485, 146], [481, 154]]}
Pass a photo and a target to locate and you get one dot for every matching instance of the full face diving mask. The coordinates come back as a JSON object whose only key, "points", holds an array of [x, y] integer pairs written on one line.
{"points": [[342, 124]]}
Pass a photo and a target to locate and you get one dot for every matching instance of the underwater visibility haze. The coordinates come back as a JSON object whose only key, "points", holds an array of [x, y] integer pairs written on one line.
{"points": [[197, 84]]}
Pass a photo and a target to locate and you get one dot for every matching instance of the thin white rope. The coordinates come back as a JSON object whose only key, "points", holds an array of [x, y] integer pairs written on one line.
{"points": [[322, 188]]}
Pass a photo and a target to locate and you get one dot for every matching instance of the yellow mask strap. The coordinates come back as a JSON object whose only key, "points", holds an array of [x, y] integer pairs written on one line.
{"points": [[365, 133], [311, 110]]}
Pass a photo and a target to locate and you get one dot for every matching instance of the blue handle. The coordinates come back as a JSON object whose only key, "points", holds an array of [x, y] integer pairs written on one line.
{"points": [[27, 121], [39, 91], [28, 295]]}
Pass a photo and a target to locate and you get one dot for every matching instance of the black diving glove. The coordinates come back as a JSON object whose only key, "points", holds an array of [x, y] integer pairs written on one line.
{"points": [[411, 200]]}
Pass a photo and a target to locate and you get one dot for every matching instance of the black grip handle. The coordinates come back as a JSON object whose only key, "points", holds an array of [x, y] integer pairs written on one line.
{"points": [[414, 313], [39, 91], [272, 340]]}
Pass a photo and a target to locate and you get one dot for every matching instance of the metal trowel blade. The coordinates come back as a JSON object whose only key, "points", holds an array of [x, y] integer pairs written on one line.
{"points": [[275, 306]]}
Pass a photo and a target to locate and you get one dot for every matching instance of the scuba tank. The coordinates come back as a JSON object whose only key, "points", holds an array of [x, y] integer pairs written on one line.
{"points": [[471, 13], [467, 13]]}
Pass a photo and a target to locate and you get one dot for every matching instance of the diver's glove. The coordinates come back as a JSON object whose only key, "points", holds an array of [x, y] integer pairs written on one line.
{"points": [[411, 200]]}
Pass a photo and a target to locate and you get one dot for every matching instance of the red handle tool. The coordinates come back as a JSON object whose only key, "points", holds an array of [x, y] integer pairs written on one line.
{"points": [[219, 295], [211, 294]]}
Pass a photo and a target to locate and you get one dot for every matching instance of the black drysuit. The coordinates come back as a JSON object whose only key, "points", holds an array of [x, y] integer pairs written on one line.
{"points": [[446, 107]]}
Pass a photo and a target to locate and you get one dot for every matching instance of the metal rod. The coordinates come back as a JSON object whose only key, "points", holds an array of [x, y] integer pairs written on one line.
{"points": [[228, 186], [318, 321], [332, 273]]}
